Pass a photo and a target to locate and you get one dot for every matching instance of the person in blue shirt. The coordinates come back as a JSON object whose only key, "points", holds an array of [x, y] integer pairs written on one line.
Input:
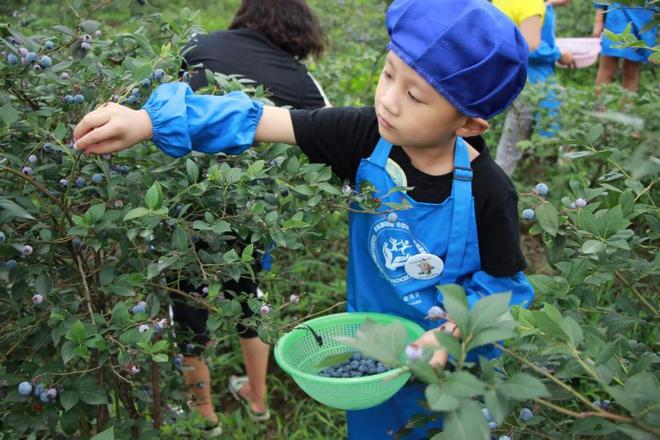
{"points": [[541, 69], [434, 96], [615, 17]]}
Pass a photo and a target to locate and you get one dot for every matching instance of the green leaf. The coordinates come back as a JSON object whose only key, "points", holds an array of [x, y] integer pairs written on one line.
{"points": [[160, 358], [522, 386], [592, 247], [120, 315], [68, 351], [488, 311], [68, 399], [108, 434], [77, 333], [180, 239], [14, 210], [450, 344], [595, 133], [548, 218], [573, 331], [96, 212], [156, 268], [463, 384], [106, 275], [455, 304], [383, 342], [497, 404], [331, 361], [43, 285], [154, 197], [466, 423], [8, 114], [136, 213], [503, 331], [193, 170], [439, 400]]}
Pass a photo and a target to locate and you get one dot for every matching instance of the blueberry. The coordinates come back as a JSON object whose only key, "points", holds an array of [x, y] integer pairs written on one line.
{"points": [[140, 307], [37, 299], [11, 264], [44, 397], [346, 190], [355, 364], [2, 237], [158, 74], [118, 203], [541, 189], [98, 33], [580, 203], [25, 388], [64, 182], [135, 91], [31, 57], [12, 59], [33, 158], [64, 76], [80, 182], [573, 205], [294, 299], [363, 368], [97, 178], [45, 62], [51, 393], [526, 414], [124, 169], [38, 389], [145, 83], [87, 37], [49, 44], [380, 369], [69, 99], [85, 45], [26, 250], [23, 52], [133, 99], [134, 369], [79, 99], [487, 414], [528, 214], [504, 437], [27, 171], [76, 243], [414, 352], [265, 310], [178, 361], [492, 425], [48, 147], [143, 328], [436, 312], [205, 290], [161, 324]]}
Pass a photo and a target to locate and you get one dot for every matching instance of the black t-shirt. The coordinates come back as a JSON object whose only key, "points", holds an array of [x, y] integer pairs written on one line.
{"points": [[342, 137], [251, 55]]}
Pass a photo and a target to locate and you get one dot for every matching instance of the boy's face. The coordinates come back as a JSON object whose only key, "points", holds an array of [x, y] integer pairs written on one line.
{"points": [[410, 111]]}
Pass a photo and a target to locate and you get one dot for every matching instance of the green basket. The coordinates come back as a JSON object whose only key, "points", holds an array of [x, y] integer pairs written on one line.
{"points": [[299, 354]]}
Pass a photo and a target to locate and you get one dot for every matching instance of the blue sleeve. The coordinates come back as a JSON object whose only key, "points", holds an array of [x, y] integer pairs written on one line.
{"points": [[183, 121], [481, 284], [545, 54]]}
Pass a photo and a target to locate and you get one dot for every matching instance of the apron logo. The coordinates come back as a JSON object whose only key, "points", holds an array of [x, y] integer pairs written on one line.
{"points": [[396, 173], [391, 245]]}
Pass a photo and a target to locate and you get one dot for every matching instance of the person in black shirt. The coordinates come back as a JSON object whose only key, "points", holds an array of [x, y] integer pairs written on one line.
{"points": [[265, 43]]}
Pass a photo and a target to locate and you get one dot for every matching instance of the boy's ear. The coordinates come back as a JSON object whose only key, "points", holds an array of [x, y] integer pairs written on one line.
{"points": [[472, 127]]}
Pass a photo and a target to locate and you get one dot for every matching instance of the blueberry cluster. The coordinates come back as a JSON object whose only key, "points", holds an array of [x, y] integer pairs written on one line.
{"points": [[357, 366]]}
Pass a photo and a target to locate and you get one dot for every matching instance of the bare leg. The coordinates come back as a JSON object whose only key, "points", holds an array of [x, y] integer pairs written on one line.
{"points": [[630, 75], [607, 68], [255, 356], [198, 378]]}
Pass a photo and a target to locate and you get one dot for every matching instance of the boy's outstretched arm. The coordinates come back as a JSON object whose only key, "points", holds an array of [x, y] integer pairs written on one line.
{"points": [[179, 121]]}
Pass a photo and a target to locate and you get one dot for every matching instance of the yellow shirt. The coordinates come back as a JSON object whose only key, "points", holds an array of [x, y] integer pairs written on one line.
{"points": [[521, 10]]}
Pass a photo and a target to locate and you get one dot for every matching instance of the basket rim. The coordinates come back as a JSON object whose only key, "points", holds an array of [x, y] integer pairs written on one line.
{"points": [[297, 374]]}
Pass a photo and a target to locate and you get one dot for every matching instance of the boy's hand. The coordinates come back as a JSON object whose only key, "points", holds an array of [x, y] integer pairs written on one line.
{"points": [[428, 339], [111, 128], [567, 59]]}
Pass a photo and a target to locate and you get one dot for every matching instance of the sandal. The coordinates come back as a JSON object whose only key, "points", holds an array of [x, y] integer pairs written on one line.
{"points": [[235, 384]]}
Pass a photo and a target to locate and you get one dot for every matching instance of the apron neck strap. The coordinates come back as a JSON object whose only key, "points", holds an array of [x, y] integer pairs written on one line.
{"points": [[381, 153], [461, 212]]}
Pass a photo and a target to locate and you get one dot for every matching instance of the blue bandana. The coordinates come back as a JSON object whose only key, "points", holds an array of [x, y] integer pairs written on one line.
{"points": [[468, 50]]}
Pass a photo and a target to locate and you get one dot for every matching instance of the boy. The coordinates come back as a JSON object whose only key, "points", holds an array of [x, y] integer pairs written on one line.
{"points": [[451, 66]]}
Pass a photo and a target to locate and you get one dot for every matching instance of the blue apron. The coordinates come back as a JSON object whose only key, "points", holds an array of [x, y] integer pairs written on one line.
{"points": [[381, 244], [617, 18]]}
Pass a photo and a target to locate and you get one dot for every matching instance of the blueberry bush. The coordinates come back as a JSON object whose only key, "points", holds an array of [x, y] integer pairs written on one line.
{"points": [[92, 249]]}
